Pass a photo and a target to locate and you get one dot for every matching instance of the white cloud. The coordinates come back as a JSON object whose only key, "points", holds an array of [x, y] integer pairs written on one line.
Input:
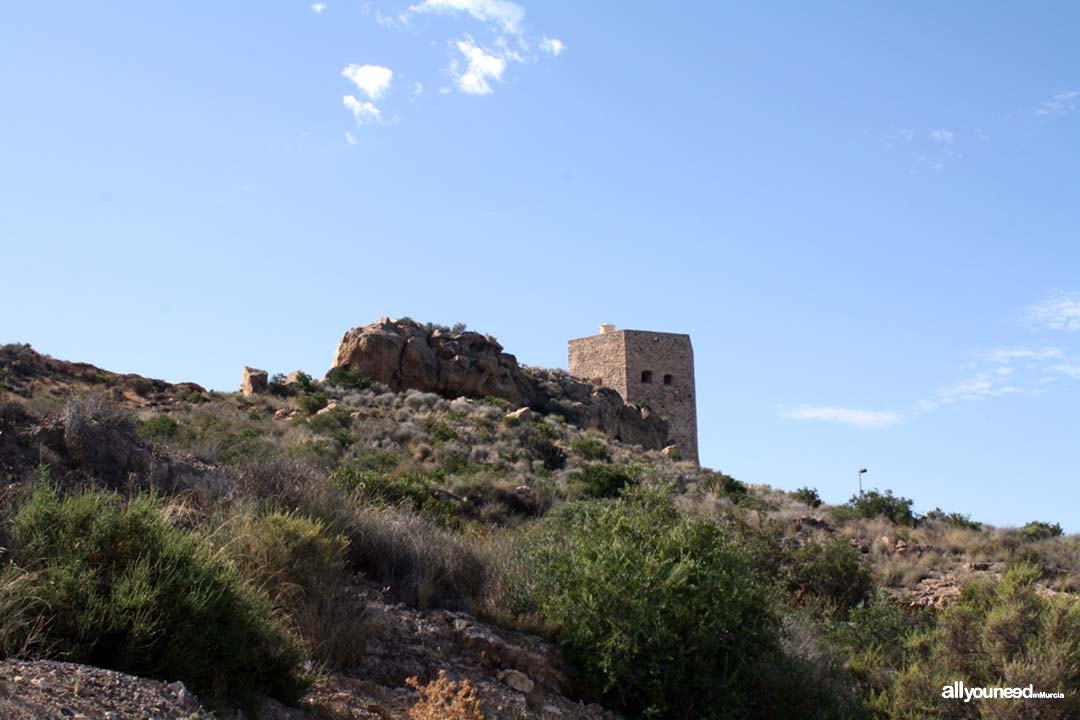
{"points": [[350, 138], [1070, 369], [505, 14], [444, 90], [373, 80], [361, 110], [317, 8], [1060, 313], [850, 416], [1062, 103], [943, 136], [481, 67], [907, 134], [552, 46], [417, 89], [1004, 356], [977, 387]]}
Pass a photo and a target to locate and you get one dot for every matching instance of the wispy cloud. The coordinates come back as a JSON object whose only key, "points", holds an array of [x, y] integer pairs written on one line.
{"points": [[373, 80], [1059, 313], [481, 66], [507, 15], [317, 8], [1062, 103], [977, 387], [942, 136], [1070, 369], [363, 111], [848, 416], [1004, 356], [552, 46], [350, 138]]}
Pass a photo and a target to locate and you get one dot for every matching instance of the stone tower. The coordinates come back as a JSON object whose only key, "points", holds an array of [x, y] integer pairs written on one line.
{"points": [[649, 367]]}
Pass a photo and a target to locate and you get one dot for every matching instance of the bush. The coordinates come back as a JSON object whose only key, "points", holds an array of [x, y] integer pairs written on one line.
{"points": [[831, 571], [443, 699], [279, 388], [161, 427], [1036, 530], [953, 520], [589, 448], [600, 481], [313, 403], [721, 484], [872, 504], [660, 612], [127, 590], [998, 634], [439, 431], [807, 496], [349, 379], [302, 567], [546, 451]]}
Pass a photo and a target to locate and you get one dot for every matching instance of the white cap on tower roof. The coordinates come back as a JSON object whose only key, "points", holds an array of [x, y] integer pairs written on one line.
{"points": [[606, 328]]}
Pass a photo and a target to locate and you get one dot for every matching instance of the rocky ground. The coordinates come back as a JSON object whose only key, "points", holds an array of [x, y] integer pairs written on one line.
{"points": [[516, 676], [46, 689]]}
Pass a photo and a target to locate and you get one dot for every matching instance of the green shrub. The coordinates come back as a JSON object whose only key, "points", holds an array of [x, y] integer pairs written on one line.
{"points": [[721, 484], [953, 519], [660, 612], [546, 451], [279, 388], [161, 427], [807, 496], [600, 481], [312, 403], [350, 379], [872, 504], [302, 567], [831, 571], [127, 590], [439, 431], [1037, 530], [589, 448], [998, 634]]}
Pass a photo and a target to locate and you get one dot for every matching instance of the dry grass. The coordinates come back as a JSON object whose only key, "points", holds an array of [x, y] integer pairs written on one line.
{"points": [[22, 614], [443, 699]]}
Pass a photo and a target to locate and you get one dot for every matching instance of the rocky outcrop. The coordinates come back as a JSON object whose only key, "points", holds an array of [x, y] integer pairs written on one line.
{"points": [[253, 381], [403, 354], [25, 372]]}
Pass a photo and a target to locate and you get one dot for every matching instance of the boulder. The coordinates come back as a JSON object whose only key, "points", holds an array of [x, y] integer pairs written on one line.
{"points": [[253, 381], [517, 680]]}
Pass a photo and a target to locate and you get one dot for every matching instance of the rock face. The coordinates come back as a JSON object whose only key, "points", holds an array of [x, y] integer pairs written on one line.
{"points": [[403, 354], [253, 382]]}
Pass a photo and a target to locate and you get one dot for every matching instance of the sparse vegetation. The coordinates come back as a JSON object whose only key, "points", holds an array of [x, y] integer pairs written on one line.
{"points": [[807, 496], [873, 504], [646, 571]]}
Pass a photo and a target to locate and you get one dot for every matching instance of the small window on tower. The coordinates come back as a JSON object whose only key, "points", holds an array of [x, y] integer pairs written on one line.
{"points": [[646, 376], [668, 379]]}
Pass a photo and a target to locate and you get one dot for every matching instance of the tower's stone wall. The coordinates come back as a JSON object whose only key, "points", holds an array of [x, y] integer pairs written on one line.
{"points": [[600, 359], [648, 367]]}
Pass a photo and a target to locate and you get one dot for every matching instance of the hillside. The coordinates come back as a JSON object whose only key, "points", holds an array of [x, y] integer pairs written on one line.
{"points": [[431, 505]]}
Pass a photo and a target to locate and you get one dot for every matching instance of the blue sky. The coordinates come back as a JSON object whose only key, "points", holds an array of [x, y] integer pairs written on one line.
{"points": [[865, 215]]}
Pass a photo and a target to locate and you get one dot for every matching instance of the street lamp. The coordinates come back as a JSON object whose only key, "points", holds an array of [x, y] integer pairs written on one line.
{"points": [[860, 474]]}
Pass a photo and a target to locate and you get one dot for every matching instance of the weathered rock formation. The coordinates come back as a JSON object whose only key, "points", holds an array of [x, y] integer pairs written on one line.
{"points": [[404, 354], [253, 381]]}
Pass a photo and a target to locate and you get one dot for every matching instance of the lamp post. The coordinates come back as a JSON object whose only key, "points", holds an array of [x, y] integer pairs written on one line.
{"points": [[859, 473]]}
